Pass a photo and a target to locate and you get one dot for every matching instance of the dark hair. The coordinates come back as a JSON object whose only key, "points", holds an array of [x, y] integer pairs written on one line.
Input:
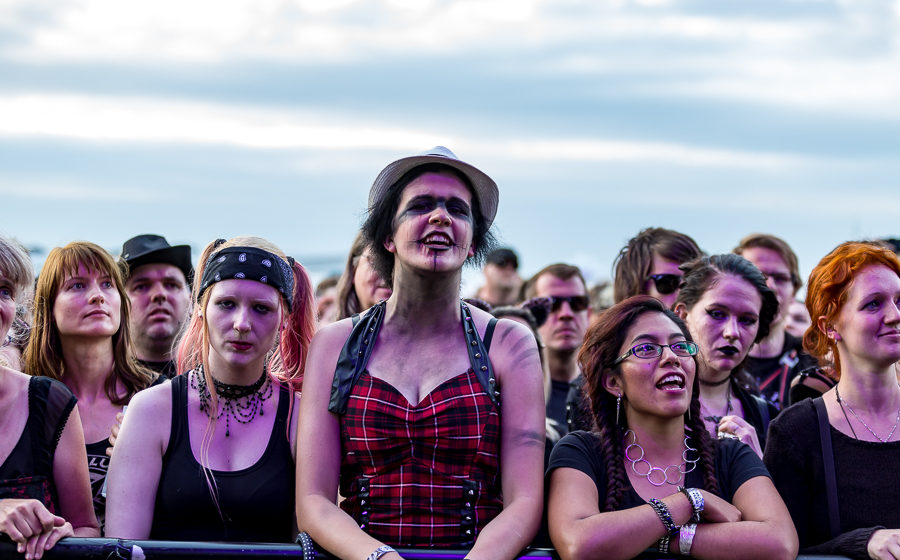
{"points": [[780, 246], [347, 302], [634, 262], [602, 345], [379, 224], [829, 283], [702, 274], [558, 270]]}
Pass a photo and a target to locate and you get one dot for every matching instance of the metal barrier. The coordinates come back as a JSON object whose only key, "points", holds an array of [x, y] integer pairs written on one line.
{"points": [[109, 549]]}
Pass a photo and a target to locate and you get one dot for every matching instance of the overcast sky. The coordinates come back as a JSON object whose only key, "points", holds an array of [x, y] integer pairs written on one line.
{"points": [[204, 119]]}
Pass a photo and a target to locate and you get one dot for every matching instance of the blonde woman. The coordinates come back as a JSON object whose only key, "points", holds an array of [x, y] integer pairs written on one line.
{"points": [[210, 456]]}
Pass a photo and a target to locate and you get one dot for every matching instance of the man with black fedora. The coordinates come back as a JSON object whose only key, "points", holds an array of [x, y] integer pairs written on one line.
{"points": [[157, 279]]}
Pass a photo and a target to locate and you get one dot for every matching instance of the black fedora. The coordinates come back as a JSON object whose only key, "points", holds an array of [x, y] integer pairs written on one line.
{"points": [[152, 249]]}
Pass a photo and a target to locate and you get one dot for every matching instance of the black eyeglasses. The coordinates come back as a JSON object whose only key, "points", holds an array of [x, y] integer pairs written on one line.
{"points": [[665, 283], [650, 350]]}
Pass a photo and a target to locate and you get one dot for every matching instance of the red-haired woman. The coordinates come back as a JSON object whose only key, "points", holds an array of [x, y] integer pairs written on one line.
{"points": [[651, 475], [834, 459], [81, 337], [210, 456]]}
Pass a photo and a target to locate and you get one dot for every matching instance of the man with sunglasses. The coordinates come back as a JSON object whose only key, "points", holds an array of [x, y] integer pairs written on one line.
{"points": [[777, 359], [564, 293], [648, 264]]}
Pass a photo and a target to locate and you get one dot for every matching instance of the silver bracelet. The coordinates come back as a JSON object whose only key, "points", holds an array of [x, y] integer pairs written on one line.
{"points": [[686, 538], [379, 552], [696, 499]]}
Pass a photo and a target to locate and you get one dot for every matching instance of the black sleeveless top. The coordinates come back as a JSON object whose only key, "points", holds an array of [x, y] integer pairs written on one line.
{"points": [[27, 472], [257, 503]]}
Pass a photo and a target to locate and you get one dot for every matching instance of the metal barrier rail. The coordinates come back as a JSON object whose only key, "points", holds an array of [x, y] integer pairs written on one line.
{"points": [[107, 549]]}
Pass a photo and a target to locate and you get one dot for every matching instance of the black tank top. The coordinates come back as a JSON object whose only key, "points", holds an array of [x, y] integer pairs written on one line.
{"points": [[257, 503]]}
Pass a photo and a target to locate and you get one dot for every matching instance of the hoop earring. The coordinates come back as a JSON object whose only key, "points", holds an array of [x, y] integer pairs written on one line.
{"points": [[618, 407]]}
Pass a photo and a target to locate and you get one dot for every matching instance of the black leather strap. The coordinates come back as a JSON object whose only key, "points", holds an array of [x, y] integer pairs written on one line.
{"points": [[358, 349], [354, 356], [489, 333], [831, 499], [478, 354]]}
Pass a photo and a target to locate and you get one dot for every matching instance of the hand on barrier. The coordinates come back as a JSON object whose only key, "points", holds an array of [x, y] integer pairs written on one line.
{"points": [[31, 525]]}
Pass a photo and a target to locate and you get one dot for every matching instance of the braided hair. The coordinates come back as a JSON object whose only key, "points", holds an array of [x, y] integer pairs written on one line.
{"points": [[602, 345]]}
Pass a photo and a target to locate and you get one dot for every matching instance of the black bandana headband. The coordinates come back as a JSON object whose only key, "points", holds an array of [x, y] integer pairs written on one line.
{"points": [[249, 263]]}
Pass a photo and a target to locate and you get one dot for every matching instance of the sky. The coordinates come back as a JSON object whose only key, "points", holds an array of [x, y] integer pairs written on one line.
{"points": [[199, 119]]}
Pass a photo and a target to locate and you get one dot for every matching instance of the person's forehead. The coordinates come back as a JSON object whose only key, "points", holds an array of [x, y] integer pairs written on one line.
{"points": [[156, 271], [241, 287], [438, 184], [764, 258], [734, 292], [549, 285], [662, 265], [83, 270]]}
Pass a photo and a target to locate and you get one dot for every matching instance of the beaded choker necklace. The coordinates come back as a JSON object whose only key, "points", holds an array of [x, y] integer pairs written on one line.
{"points": [[687, 465], [844, 403], [241, 402]]}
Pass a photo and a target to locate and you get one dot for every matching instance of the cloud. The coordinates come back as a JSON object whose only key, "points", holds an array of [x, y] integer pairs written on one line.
{"points": [[117, 119]]}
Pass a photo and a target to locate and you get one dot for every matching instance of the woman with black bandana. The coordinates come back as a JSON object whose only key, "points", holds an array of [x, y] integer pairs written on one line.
{"points": [[402, 405], [210, 456]]}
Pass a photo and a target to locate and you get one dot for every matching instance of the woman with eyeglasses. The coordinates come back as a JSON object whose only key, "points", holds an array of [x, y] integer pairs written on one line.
{"points": [[650, 475], [834, 458], [402, 409], [727, 306], [648, 264]]}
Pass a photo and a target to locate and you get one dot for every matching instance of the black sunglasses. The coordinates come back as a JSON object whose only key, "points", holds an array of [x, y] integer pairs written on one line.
{"points": [[577, 303], [665, 283]]}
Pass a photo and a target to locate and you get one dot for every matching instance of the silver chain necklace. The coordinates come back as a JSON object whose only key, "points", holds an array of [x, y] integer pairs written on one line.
{"points": [[680, 470], [844, 403]]}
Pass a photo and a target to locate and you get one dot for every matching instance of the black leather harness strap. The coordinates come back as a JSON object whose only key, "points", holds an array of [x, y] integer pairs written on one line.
{"points": [[358, 349]]}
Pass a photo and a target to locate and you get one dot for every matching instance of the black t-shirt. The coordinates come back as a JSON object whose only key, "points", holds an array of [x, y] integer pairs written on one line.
{"points": [[736, 463], [166, 370], [773, 375], [556, 405]]}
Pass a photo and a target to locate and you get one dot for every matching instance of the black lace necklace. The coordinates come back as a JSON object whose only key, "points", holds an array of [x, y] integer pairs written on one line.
{"points": [[241, 402]]}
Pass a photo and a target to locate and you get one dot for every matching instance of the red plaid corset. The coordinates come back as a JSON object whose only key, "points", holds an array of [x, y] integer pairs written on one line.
{"points": [[423, 475]]}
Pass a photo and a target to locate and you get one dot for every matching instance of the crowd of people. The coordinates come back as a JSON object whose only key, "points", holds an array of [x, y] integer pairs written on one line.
{"points": [[697, 411]]}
